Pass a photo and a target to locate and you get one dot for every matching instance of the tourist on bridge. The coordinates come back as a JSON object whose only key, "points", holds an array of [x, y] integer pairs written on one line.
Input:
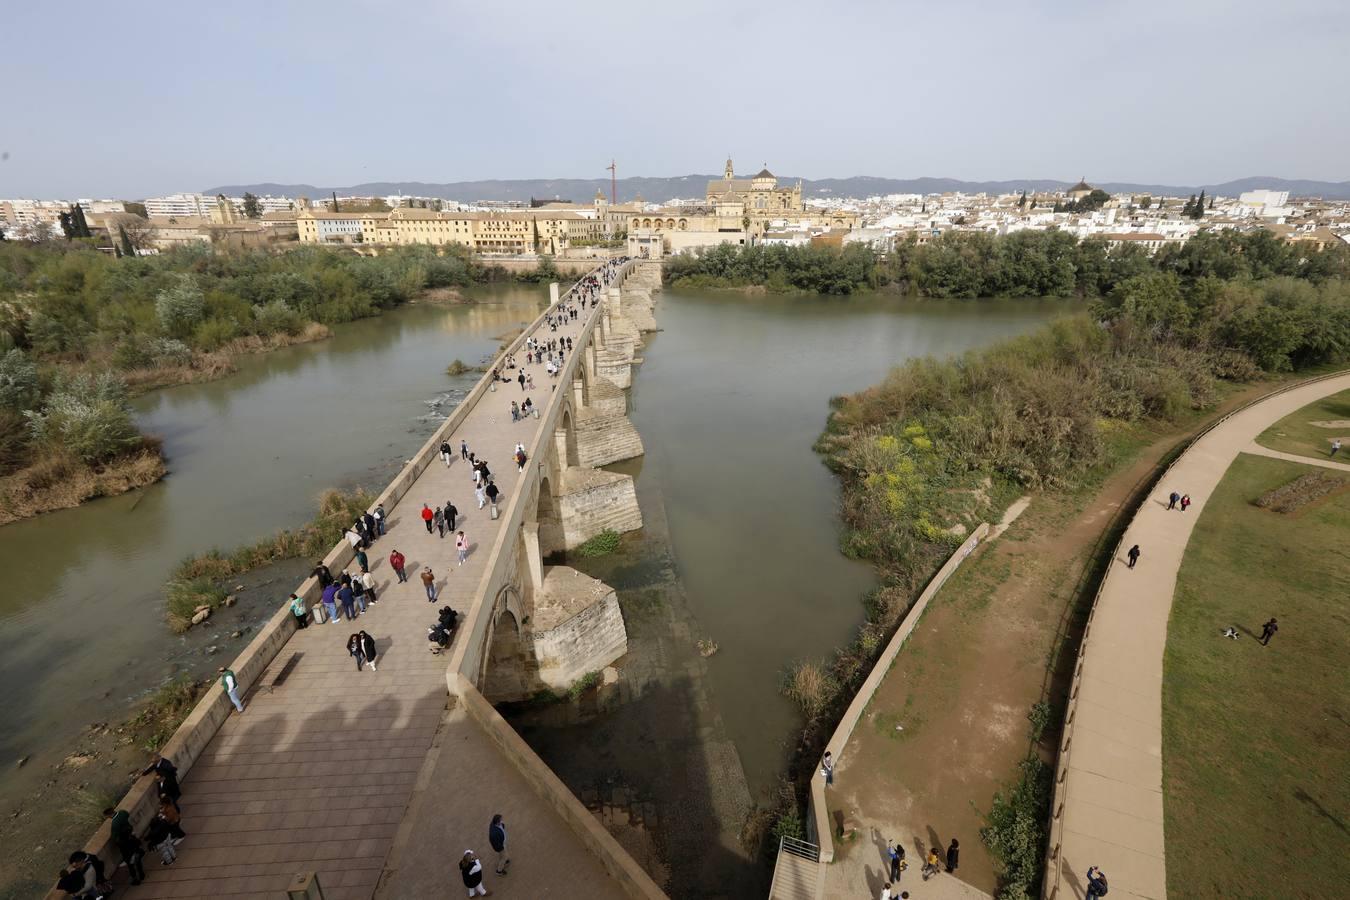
{"points": [[1185, 501], [463, 449], [330, 601], [445, 453], [321, 572], [381, 520], [896, 854], [497, 838], [480, 493], [371, 532], [450, 514], [166, 774], [362, 560], [521, 459], [427, 516], [462, 545], [398, 561], [529, 385], [930, 864], [1133, 555], [353, 537], [1172, 499], [471, 869], [128, 845], [368, 580], [1096, 883], [358, 593], [354, 650], [347, 598], [521, 378], [953, 855], [368, 649], [429, 582], [231, 686], [515, 411], [439, 518], [492, 494], [300, 611]]}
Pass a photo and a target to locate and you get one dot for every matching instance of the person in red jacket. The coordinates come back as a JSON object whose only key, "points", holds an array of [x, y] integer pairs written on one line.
{"points": [[427, 516], [398, 562]]}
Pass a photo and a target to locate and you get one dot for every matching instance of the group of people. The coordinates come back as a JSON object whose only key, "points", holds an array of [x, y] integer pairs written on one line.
{"points": [[471, 867], [367, 527], [441, 519], [354, 592], [935, 860], [85, 875]]}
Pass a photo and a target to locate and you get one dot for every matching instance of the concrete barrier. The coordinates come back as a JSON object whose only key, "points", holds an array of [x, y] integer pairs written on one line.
{"points": [[817, 813], [632, 879], [201, 725]]}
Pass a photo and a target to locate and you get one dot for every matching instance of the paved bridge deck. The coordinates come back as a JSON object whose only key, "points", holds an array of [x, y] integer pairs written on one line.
{"points": [[319, 773]]}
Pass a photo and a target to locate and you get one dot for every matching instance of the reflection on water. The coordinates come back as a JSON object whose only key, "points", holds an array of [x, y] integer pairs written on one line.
{"points": [[82, 614]]}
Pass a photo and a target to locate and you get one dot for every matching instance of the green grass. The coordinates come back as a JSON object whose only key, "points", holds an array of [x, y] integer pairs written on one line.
{"points": [[1256, 740], [602, 544], [1296, 434]]}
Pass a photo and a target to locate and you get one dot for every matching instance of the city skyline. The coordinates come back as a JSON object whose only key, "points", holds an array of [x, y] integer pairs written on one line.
{"points": [[164, 98]]}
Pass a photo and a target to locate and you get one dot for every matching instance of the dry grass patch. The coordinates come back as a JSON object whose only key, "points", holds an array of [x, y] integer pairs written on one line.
{"points": [[62, 481]]}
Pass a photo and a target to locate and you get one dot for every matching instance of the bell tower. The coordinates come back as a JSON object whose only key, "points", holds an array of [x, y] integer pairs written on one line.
{"points": [[729, 173]]}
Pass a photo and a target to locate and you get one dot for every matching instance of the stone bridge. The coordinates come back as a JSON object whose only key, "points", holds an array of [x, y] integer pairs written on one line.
{"points": [[378, 781]]}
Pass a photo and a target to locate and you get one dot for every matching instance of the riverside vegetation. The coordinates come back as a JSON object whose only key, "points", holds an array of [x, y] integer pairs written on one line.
{"points": [[940, 446], [80, 330]]}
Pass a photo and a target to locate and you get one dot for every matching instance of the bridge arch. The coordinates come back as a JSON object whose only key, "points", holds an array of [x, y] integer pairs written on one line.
{"points": [[505, 666], [566, 438]]}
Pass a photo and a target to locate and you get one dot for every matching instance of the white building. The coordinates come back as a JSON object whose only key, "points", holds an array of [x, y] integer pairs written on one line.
{"points": [[176, 205], [1264, 198]]}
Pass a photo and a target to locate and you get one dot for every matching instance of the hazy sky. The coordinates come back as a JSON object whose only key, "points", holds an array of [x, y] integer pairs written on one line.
{"points": [[142, 98]]}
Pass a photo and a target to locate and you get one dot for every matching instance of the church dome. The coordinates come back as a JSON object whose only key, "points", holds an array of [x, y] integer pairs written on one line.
{"points": [[1081, 186]]}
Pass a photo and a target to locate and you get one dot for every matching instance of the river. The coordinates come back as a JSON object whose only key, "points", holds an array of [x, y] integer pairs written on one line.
{"points": [[742, 536]]}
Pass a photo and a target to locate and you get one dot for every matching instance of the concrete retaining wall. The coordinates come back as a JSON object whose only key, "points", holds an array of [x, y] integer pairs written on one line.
{"points": [[818, 825], [630, 876]]}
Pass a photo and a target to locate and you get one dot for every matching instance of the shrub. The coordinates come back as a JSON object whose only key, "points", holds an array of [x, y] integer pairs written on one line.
{"points": [[184, 596], [87, 416], [180, 308], [582, 685], [19, 386], [1015, 830], [811, 687], [1039, 717], [602, 544], [277, 318]]}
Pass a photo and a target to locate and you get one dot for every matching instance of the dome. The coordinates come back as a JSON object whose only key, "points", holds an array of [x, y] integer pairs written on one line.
{"points": [[764, 173], [1081, 186]]}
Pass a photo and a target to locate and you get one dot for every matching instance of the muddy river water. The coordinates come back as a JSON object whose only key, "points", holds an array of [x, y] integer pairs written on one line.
{"points": [[741, 545]]}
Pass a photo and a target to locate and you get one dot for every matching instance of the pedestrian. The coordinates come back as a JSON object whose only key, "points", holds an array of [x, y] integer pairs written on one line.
{"points": [[371, 533], [1096, 883], [1268, 631], [171, 817], [330, 602], [427, 517], [398, 561], [885, 892], [128, 845], [381, 520], [157, 837], [439, 518], [953, 855], [521, 378], [930, 865], [362, 560], [515, 411], [354, 650], [497, 838], [300, 611], [463, 449], [896, 854], [521, 459], [471, 870], [462, 545], [231, 686], [321, 572], [1335, 447], [529, 383], [353, 537], [347, 599], [368, 649], [492, 493], [429, 582], [445, 453], [1185, 501], [480, 494], [83, 877], [358, 593], [368, 580], [1172, 500], [1133, 555], [450, 515], [827, 767]]}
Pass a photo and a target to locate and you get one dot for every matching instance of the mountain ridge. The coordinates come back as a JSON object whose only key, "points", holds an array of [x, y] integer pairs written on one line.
{"points": [[660, 190]]}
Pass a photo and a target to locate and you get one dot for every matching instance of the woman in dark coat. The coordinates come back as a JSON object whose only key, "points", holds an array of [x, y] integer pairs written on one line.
{"points": [[354, 649], [471, 869], [367, 648]]}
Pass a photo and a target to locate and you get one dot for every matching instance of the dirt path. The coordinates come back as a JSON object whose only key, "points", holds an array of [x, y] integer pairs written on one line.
{"points": [[948, 726]]}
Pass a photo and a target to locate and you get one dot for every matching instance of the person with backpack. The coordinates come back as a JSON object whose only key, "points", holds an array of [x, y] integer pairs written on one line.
{"points": [[231, 685], [1133, 555], [1096, 883], [397, 561], [896, 853], [471, 870], [492, 492]]}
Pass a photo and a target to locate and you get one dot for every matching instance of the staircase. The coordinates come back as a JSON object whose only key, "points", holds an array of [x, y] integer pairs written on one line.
{"points": [[797, 873]]}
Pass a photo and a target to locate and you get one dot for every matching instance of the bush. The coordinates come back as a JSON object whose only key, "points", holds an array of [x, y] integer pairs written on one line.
{"points": [[811, 687], [1039, 717], [276, 318], [19, 385], [184, 596], [602, 544], [181, 307], [87, 416], [1016, 832], [582, 685]]}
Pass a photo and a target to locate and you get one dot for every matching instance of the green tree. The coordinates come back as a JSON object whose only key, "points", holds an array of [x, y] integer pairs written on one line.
{"points": [[252, 208], [19, 386], [1198, 212], [88, 416], [127, 249], [180, 308]]}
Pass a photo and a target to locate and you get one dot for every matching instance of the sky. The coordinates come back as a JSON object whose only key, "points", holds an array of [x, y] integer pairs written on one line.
{"points": [[138, 99]]}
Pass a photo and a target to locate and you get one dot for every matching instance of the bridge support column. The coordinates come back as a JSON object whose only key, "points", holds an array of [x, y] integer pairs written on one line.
{"points": [[553, 292], [616, 301], [534, 559]]}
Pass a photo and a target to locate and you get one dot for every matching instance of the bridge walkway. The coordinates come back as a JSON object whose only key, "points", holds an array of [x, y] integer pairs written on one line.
{"points": [[318, 773]]}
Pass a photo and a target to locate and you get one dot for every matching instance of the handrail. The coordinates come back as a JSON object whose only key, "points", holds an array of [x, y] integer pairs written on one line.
{"points": [[1054, 872]]}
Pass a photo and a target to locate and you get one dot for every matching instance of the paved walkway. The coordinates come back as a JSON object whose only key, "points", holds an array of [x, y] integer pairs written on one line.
{"points": [[318, 774], [1112, 794]]}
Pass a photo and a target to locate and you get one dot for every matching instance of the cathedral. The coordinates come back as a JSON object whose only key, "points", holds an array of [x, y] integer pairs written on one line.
{"points": [[760, 196]]}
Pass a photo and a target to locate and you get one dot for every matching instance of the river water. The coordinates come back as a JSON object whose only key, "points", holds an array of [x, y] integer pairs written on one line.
{"points": [[729, 400]]}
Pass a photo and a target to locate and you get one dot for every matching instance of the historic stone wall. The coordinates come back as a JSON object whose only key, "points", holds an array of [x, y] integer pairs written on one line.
{"points": [[593, 501], [577, 627]]}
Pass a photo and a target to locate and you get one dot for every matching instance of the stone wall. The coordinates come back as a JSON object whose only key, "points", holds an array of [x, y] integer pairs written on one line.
{"points": [[592, 501], [577, 627], [605, 437]]}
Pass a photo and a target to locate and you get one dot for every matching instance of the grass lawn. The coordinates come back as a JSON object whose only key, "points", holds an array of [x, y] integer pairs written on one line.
{"points": [[1256, 740], [1295, 433]]}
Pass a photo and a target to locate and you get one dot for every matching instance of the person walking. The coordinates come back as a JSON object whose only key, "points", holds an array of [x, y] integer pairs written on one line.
{"points": [[427, 516], [497, 838], [1335, 447], [827, 767], [480, 494], [358, 593], [429, 582], [330, 602], [521, 459], [231, 685], [1268, 631], [463, 449], [397, 561], [348, 600], [492, 493], [1133, 555], [1172, 500], [953, 855], [930, 864], [521, 378], [381, 520], [1096, 883], [354, 650], [885, 892], [462, 545], [368, 650], [450, 515], [439, 518], [1185, 501], [529, 383], [368, 580], [896, 855], [300, 611], [128, 845], [471, 870], [445, 453], [362, 560], [515, 411]]}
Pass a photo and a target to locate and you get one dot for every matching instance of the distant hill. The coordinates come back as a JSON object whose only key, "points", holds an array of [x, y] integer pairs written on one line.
{"points": [[659, 190]]}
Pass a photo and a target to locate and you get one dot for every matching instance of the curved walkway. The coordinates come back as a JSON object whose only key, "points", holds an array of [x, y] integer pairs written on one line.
{"points": [[1108, 808]]}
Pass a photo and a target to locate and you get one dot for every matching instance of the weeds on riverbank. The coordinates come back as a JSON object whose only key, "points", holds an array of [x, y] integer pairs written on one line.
{"points": [[602, 544], [167, 709], [460, 367], [194, 582], [60, 481]]}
